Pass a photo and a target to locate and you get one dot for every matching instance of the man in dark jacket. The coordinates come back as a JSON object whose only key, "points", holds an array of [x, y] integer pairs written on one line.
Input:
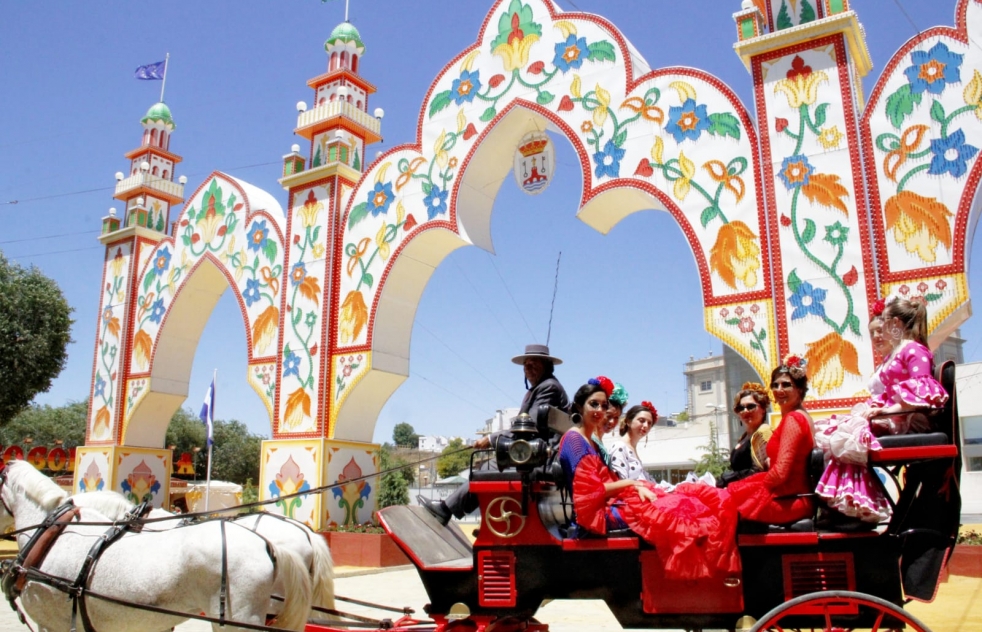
{"points": [[543, 388]]}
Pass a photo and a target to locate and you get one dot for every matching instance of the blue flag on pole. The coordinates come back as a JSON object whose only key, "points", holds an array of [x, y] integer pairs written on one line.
{"points": [[208, 411], [151, 71]]}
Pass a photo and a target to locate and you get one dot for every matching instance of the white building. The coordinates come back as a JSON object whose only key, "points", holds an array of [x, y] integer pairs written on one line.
{"points": [[501, 421], [968, 387], [436, 443]]}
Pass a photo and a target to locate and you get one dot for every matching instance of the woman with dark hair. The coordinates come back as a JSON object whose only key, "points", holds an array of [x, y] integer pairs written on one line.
{"points": [[637, 423], [617, 401], [751, 405], [782, 494], [693, 529]]}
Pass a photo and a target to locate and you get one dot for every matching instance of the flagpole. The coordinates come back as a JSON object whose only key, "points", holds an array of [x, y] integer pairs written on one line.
{"points": [[211, 412], [164, 82]]}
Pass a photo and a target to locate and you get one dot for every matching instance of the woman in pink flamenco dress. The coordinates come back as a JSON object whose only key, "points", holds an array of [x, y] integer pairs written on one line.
{"points": [[693, 528], [903, 382], [781, 494]]}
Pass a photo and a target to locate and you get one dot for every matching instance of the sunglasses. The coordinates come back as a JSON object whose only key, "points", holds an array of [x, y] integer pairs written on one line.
{"points": [[749, 408], [778, 386], [595, 404]]}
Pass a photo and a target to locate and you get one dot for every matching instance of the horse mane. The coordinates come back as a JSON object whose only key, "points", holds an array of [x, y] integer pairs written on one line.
{"points": [[27, 480], [112, 505]]}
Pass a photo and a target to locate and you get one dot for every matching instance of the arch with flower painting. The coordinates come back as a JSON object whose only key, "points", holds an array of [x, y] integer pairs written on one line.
{"points": [[675, 139], [159, 294]]}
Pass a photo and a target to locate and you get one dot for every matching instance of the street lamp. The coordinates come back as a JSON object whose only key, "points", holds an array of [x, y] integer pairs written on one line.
{"points": [[717, 409]]}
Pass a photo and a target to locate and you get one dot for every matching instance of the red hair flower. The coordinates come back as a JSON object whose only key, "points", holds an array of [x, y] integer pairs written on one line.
{"points": [[795, 361], [604, 383], [878, 306], [651, 409]]}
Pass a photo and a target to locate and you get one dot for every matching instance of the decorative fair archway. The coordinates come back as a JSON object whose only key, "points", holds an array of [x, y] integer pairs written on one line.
{"points": [[778, 217]]}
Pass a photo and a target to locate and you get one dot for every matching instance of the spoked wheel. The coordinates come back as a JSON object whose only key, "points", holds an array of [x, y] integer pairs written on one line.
{"points": [[838, 611]]}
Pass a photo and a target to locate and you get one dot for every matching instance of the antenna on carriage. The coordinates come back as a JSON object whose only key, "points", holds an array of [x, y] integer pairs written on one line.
{"points": [[555, 288]]}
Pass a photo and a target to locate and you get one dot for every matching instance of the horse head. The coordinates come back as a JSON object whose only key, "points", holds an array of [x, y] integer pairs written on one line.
{"points": [[26, 492]]}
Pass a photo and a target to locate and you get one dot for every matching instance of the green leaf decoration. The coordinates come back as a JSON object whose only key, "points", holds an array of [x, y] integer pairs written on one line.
{"points": [[189, 214], [783, 17], [488, 114], [427, 187], [440, 102], [708, 214], [793, 281], [930, 298], [297, 315], [732, 322], [809, 233], [358, 213], [724, 124], [620, 137], [270, 250], [901, 104], [525, 23], [367, 279], [853, 323], [544, 97], [601, 51], [763, 334], [286, 350], [754, 345], [232, 221], [937, 111], [151, 275], [403, 165], [807, 13], [737, 166], [317, 232], [186, 240], [820, 114]]}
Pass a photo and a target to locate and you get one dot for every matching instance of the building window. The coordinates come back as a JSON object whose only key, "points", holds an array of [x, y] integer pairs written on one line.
{"points": [[706, 385], [972, 442]]}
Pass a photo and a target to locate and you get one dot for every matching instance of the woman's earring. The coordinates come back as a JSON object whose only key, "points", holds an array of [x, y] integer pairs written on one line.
{"points": [[576, 418], [894, 332]]}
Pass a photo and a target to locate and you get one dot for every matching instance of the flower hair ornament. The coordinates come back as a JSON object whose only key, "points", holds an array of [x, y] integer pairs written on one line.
{"points": [[755, 387], [650, 408], [796, 365], [618, 397], [604, 383], [878, 306]]}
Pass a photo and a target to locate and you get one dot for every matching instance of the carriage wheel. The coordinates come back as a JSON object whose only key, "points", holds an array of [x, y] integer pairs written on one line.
{"points": [[827, 607]]}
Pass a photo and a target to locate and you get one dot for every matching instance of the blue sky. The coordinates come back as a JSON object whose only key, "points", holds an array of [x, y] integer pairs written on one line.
{"points": [[628, 303]]}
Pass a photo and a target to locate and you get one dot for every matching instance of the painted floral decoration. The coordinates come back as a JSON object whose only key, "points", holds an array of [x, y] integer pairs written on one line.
{"points": [[289, 480], [351, 492], [141, 485]]}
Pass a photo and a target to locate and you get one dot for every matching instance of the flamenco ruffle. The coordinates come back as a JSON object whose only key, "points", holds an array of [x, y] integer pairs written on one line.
{"points": [[693, 529], [851, 490], [918, 391]]}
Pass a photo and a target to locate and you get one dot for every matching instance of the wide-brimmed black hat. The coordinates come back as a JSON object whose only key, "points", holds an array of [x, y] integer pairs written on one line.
{"points": [[536, 351]]}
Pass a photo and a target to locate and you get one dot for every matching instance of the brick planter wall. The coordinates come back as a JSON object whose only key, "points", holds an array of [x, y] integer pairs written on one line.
{"points": [[966, 560], [364, 549]]}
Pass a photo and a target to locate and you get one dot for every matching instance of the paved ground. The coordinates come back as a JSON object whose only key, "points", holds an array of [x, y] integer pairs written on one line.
{"points": [[958, 607]]}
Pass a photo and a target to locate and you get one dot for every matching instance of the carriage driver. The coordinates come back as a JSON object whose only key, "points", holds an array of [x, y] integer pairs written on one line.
{"points": [[543, 388]]}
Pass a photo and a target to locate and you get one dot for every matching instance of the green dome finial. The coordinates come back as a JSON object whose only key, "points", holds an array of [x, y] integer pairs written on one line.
{"points": [[345, 33], [159, 112]]}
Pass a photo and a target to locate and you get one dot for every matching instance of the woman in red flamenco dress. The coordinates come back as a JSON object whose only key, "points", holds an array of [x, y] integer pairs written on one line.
{"points": [[693, 528], [782, 494]]}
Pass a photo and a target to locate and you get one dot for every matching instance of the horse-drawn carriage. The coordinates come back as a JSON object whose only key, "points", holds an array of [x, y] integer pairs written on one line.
{"points": [[799, 575], [234, 573]]}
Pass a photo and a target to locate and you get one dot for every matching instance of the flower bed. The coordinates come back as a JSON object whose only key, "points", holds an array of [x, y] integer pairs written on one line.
{"points": [[966, 559]]}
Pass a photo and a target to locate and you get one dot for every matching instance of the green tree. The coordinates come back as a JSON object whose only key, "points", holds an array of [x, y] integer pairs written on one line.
{"points": [[682, 416], [453, 460], [393, 488], [35, 329], [47, 424], [404, 436], [716, 459]]}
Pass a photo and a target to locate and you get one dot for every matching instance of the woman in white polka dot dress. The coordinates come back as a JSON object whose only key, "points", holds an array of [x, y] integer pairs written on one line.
{"points": [[903, 382], [636, 424]]}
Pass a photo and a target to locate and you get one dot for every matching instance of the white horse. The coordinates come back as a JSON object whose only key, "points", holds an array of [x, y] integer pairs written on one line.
{"points": [[284, 533], [176, 569]]}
